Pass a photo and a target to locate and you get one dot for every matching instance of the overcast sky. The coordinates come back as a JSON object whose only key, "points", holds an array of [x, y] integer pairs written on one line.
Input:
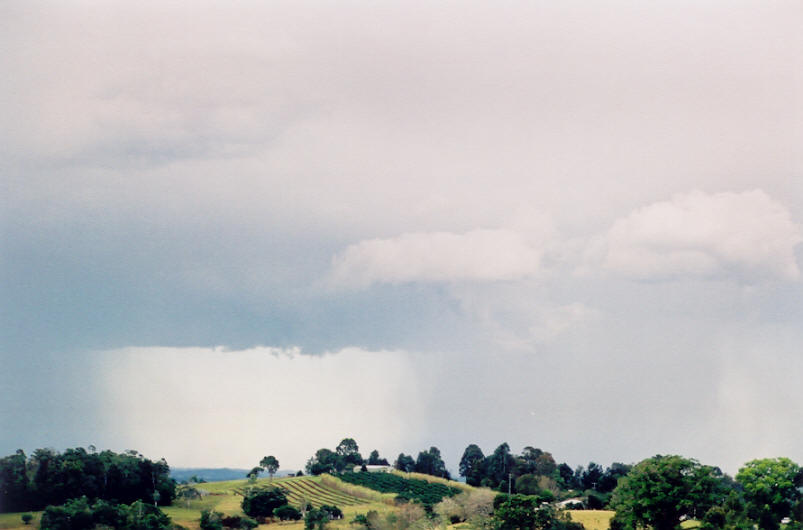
{"points": [[238, 229]]}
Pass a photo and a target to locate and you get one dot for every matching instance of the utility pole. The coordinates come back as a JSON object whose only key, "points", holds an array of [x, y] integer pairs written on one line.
{"points": [[509, 480]]}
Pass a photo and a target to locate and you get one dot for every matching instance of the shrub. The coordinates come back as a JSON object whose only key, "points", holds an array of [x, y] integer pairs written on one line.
{"points": [[332, 511], [27, 518], [211, 520], [235, 521], [287, 513], [315, 519], [77, 514]]}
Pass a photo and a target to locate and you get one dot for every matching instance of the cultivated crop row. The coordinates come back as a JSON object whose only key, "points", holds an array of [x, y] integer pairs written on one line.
{"points": [[316, 493], [428, 493]]}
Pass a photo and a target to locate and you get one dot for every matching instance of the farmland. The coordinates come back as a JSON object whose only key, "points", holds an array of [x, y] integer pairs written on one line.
{"points": [[226, 496], [426, 492], [593, 519]]}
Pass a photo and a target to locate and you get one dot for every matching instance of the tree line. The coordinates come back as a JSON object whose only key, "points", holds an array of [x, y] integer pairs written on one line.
{"points": [[346, 456], [658, 492], [48, 477]]}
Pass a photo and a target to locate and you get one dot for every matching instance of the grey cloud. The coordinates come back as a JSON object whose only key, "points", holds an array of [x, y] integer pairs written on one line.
{"points": [[182, 174]]}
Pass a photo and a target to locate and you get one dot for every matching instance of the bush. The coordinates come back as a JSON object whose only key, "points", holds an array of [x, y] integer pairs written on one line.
{"points": [[360, 519], [72, 515], [77, 514], [332, 511], [211, 520], [235, 521], [262, 502], [27, 518], [315, 519], [287, 513]]}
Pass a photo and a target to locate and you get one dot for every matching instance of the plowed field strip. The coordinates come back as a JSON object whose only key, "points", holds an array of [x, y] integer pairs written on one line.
{"points": [[318, 494], [325, 495]]}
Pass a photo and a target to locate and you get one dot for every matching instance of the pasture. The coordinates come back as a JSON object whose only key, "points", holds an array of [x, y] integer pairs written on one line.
{"points": [[592, 519]]}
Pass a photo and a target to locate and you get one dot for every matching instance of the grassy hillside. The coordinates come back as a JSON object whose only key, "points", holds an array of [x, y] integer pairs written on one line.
{"points": [[225, 497], [352, 499]]}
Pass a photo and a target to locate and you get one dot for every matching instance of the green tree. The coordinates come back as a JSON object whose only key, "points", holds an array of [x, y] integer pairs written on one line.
{"points": [[262, 502], [211, 520], [661, 489], [15, 494], [519, 512], [404, 463], [472, 465], [375, 460], [431, 463], [349, 453], [188, 493], [287, 513], [324, 461], [26, 518], [500, 464], [770, 489], [315, 519], [270, 464]]}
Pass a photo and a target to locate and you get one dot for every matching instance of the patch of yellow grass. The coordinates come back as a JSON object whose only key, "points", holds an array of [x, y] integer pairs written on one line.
{"points": [[9, 521], [593, 519], [429, 478]]}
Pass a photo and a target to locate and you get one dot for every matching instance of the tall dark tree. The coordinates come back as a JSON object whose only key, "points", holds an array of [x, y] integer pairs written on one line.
{"points": [[14, 490], [375, 460], [431, 463], [610, 479], [566, 474], [591, 476], [529, 457], [404, 463], [500, 465], [472, 465]]}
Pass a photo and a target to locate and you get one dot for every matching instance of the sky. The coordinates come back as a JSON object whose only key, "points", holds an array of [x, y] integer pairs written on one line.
{"points": [[233, 229]]}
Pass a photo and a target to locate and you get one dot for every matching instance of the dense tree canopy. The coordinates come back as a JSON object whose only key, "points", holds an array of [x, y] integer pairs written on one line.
{"points": [[262, 502], [79, 514], [771, 489], [431, 463], [324, 461], [345, 456], [404, 463], [51, 478], [661, 489]]}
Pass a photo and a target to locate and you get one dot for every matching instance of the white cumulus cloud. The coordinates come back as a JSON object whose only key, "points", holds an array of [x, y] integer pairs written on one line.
{"points": [[481, 255], [748, 234]]}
